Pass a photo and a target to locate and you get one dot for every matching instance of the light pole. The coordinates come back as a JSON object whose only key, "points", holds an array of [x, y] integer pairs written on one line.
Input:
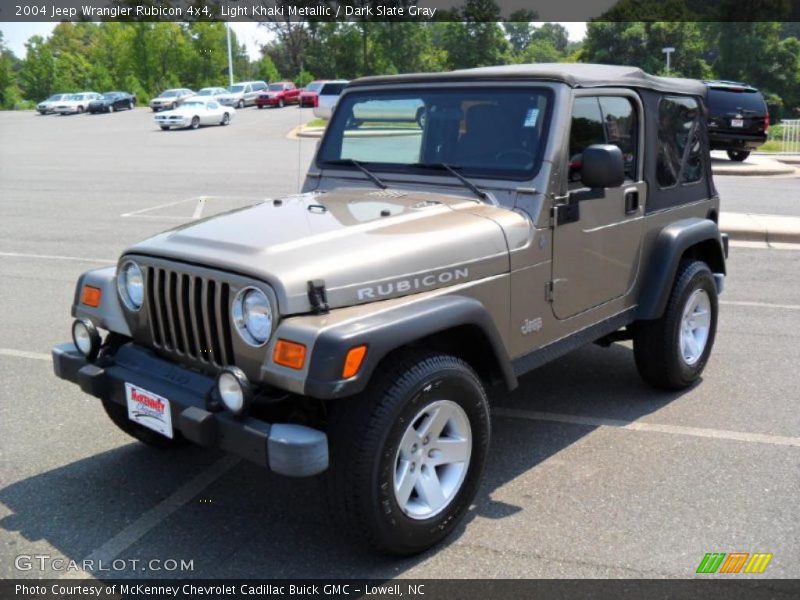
{"points": [[668, 51], [230, 53]]}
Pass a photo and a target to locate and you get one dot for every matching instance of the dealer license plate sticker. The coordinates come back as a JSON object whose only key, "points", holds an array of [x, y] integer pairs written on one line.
{"points": [[149, 409], [737, 122]]}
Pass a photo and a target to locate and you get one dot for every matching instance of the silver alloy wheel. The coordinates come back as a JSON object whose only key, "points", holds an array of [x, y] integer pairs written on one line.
{"points": [[432, 460], [695, 327]]}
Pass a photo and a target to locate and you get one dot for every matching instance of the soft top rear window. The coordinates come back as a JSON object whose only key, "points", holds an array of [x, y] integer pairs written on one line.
{"points": [[735, 100]]}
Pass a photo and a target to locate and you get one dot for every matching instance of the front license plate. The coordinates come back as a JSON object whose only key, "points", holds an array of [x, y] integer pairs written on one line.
{"points": [[149, 409], [737, 122]]}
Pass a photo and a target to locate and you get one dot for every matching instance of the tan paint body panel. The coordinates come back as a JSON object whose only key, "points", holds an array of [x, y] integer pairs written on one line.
{"points": [[426, 241]]}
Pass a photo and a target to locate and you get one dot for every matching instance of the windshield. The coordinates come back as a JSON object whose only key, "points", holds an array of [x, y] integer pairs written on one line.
{"points": [[724, 100], [55, 98], [275, 87], [478, 131], [110, 95], [169, 94], [76, 97], [196, 103], [235, 88], [314, 86]]}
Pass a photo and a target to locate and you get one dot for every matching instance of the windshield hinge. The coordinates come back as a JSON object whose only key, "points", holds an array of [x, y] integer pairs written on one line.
{"points": [[318, 297]]}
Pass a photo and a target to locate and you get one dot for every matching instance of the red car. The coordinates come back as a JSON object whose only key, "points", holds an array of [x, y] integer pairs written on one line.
{"points": [[278, 94], [309, 95]]}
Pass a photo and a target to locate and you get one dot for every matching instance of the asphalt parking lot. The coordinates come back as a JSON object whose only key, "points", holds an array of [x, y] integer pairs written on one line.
{"points": [[591, 474]]}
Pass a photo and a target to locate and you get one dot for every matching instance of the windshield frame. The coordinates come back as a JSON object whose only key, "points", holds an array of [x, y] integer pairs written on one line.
{"points": [[471, 172]]}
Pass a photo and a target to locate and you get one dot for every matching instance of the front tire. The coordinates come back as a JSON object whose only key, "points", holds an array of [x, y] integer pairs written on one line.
{"points": [[195, 122], [119, 416], [671, 352], [240, 105], [738, 155], [226, 118], [280, 103], [407, 455]]}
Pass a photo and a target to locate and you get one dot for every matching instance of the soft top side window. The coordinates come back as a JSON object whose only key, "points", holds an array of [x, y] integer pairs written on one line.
{"points": [[680, 156]]}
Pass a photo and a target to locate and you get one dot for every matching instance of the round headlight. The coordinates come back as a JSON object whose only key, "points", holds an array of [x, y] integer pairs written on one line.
{"points": [[252, 315], [234, 390], [130, 283], [86, 338]]}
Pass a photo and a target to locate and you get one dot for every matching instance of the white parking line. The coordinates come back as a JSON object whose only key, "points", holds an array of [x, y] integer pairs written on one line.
{"points": [[198, 210], [104, 261], [719, 434], [24, 354], [761, 304], [152, 518], [152, 208]]}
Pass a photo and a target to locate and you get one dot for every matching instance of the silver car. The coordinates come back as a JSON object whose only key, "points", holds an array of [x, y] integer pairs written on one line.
{"points": [[170, 99], [212, 92], [46, 107], [328, 97], [242, 94]]}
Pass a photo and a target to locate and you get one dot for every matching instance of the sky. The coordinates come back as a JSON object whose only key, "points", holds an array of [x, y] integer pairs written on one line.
{"points": [[16, 34]]}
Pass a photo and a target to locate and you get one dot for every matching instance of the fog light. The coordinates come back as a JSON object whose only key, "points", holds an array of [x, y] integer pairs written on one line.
{"points": [[234, 390], [86, 338]]}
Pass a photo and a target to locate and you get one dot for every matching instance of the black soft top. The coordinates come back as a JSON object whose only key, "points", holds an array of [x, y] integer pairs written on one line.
{"points": [[576, 75]]}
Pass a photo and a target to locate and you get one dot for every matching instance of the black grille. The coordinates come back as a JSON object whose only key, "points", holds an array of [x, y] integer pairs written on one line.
{"points": [[189, 316]]}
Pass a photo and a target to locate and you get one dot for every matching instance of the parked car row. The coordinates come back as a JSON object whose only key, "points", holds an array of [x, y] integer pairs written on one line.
{"points": [[92, 102]]}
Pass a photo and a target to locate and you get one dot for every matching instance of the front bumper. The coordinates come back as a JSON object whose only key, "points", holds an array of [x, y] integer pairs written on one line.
{"points": [[267, 101], [182, 122], [288, 449]]}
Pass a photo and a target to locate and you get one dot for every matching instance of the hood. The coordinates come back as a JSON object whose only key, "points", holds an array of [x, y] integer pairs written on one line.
{"points": [[366, 245]]}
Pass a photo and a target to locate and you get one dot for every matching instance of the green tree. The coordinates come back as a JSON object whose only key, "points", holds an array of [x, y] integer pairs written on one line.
{"points": [[9, 92], [476, 39]]}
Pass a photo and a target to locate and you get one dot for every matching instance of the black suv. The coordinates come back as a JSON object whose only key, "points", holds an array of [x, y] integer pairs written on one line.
{"points": [[738, 118]]}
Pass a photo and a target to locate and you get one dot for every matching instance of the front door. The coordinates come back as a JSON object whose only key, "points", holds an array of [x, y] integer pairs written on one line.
{"points": [[596, 247]]}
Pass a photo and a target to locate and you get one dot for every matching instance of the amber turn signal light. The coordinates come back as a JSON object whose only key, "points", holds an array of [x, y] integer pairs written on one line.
{"points": [[353, 361], [289, 354], [91, 296]]}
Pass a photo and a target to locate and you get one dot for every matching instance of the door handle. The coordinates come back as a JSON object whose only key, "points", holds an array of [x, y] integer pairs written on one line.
{"points": [[631, 202]]}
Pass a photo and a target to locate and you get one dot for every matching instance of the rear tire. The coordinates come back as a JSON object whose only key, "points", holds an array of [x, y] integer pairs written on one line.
{"points": [[119, 416], [738, 155], [240, 105], [226, 118], [422, 428], [280, 103], [130, 104], [671, 352]]}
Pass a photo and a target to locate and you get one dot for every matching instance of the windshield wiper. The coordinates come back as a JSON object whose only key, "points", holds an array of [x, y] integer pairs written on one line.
{"points": [[349, 161], [452, 170]]}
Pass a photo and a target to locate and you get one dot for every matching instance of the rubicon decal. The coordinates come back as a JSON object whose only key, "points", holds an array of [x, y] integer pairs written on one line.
{"points": [[734, 562], [411, 284]]}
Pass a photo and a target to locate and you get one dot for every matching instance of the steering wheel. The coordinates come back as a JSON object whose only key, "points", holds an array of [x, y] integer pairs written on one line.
{"points": [[524, 154]]}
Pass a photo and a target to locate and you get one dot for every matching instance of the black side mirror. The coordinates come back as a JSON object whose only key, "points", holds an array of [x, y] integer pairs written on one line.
{"points": [[603, 166]]}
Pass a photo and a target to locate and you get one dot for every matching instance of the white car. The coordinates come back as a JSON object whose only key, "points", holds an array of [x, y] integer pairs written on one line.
{"points": [[194, 112], [47, 106], [76, 103], [328, 97]]}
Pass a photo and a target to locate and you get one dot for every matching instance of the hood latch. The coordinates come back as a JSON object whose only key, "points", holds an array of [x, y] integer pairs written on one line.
{"points": [[318, 297]]}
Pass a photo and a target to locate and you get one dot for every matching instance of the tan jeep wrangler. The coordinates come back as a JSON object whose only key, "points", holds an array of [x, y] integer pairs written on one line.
{"points": [[454, 230]]}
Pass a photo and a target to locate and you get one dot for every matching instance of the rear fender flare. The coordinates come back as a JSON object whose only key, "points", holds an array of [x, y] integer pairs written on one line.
{"points": [[673, 242]]}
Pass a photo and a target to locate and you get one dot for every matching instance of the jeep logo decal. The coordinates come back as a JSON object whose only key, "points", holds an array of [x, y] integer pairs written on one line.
{"points": [[410, 284]]}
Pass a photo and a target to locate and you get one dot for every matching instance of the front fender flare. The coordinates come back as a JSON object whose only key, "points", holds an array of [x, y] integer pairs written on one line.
{"points": [[671, 244], [389, 330]]}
